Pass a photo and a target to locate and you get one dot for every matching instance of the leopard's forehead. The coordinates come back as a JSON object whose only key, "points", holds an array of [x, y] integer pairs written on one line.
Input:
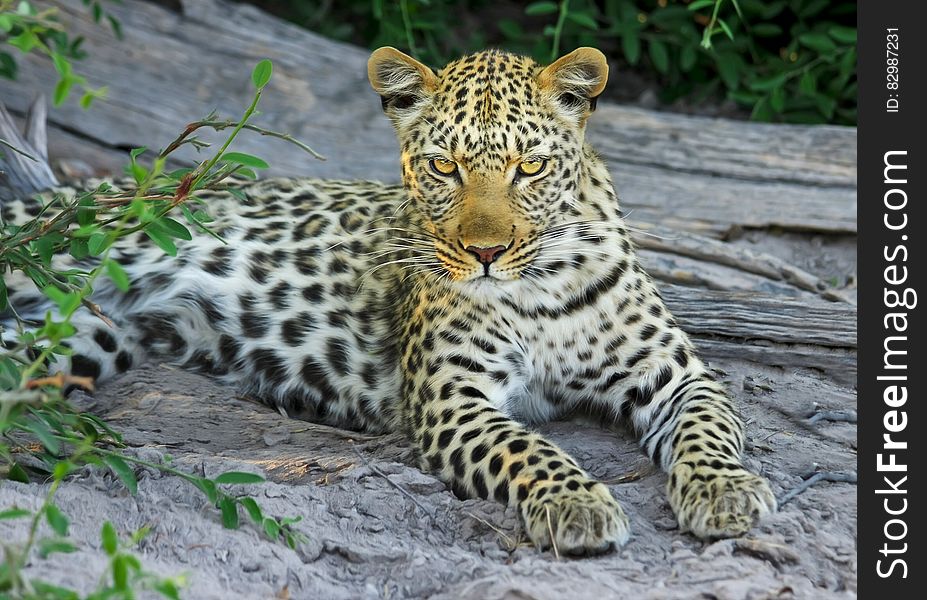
{"points": [[487, 107], [487, 79]]}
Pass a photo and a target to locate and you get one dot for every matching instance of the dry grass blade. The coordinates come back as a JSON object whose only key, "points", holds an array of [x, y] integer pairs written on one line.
{"points": [[510, 543], [550, 530]]}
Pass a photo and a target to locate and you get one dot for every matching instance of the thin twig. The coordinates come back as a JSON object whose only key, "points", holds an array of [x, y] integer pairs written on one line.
{"points": [[60, 380], [512, 544], [817, 478], [844, 416], [3, 142], [220, 125], [404, 491]]}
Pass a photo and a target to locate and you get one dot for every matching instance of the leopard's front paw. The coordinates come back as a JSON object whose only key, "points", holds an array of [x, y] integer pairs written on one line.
{"points": [[584, 520], [716, 502]]}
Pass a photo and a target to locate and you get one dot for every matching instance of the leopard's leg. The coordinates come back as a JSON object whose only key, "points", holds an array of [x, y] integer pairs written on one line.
{"points": [[460, 426], [690, 428], [687, 425]]}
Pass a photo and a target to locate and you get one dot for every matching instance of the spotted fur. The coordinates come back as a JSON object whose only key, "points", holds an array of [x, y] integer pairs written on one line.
{"points": [[458, 308]]}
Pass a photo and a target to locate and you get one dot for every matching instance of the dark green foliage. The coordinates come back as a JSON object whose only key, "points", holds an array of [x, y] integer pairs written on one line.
{"points": [[784, 60]]}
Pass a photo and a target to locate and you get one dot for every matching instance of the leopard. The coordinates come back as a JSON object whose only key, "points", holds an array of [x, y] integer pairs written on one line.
{"points": [[494, 289]]}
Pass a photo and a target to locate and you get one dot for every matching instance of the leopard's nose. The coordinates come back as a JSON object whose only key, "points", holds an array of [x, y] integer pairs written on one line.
{"points": [[486, 255]]}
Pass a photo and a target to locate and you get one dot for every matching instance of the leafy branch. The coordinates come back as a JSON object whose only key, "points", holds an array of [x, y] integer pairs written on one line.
{"points": [[35, 420]]}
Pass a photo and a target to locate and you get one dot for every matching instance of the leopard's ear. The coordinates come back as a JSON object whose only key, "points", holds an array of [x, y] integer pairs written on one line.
{"points": [[575, 80], [401, 81]]}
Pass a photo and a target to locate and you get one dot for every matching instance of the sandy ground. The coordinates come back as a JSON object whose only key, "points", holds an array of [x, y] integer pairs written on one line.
{"points": [[379, 528]]}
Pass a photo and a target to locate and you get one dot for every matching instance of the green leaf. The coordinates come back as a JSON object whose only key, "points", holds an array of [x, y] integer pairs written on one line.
{"points": [[251, 506], [768, 83], [138, 172], [818, 42], [168, 589], [762, 111], [97, 243], [62, 469], [8, 67], [777, 99], [47, 590], [659, 56], [844, 35], [109, 538], [809, 9], [78, 248], [123, 471], [583, 20], [85, 213], [139, 534], [25, 41], [245, 172], [116, 26], [14, 513], [510, 29], [700, 4], [67, 302], [261, 73], [44, 434], [229, 513], [161, 238], [826, 105], [631, 46], [120, 573], [51, 545], [6, 23], [271, 528], [58, 521], [726, 29], [4, 302], [687, 58], [766, 30], [62, 65], [118, 275], [541, 8], [208, 488], [62, 89], [133, 562], [729, 69], [248, 160], [808, 83], [239, 477], [238, 194], [173, 228], [17, 473]]}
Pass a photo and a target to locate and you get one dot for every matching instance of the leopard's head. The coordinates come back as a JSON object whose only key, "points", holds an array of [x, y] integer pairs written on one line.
{"points": [[492, 152]]}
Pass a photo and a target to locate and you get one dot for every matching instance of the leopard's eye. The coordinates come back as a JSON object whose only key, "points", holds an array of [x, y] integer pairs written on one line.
{"points": [[532, 167], [443, 167]]}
